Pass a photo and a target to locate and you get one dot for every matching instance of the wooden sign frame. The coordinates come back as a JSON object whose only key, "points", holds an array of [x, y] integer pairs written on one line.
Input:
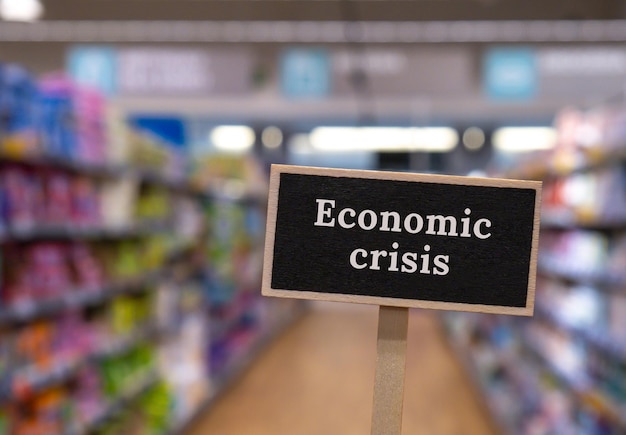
{"points": [[273, 205]]}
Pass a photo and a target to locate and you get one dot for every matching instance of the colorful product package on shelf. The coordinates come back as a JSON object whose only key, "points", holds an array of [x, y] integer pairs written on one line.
{"points": [[125, 261], [23, 195], [87, 270], [6, 356], [3, 296], [72, 338], [156, 405], [4, 421], [617, 320], [50, 412], [120, 260], [124, 316], [154, 251], [118, 199], [18, 283], [153, 206], [48, 264], [58, 196], [57, 121], [33, 346], [123, 373], [18, 92], [72, 120], [85, 203], [88, 395], [3, 206], [89, 105], [587, 198]]}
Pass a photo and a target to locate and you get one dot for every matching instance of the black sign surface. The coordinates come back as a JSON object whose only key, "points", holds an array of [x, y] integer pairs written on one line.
{"points": [[402, 239]]}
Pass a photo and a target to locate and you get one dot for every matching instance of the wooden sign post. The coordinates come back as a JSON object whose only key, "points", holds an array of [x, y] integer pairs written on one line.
{"points": [[401, 240]]}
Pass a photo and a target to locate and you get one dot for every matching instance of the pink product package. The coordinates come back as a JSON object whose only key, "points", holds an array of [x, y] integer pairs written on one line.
{"points": [[49, 267], [90, 124], [73, 338], [58, 199], [88, 272], [23, 192], [85, 203], [89, 109]]}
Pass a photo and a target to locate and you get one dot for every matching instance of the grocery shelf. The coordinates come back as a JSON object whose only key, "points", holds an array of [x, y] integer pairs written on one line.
{"points": [[581, 389], [76, 299], [593, 159], [604, 279], [24, 384], [73, 232], [225, 380], [462, 354], [141, 385], [69, 174], [596, 338], [221, 326], [569, 220], [66, 164], [28, 381], [103, 170]]}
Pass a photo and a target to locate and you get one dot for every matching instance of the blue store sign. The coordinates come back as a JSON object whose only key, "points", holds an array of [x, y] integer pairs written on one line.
{"points": [[305, 73], [510, 74], [94, 66]]}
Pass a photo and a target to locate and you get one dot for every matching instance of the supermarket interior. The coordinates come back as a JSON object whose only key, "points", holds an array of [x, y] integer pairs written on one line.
{"points": [[136, 140]]}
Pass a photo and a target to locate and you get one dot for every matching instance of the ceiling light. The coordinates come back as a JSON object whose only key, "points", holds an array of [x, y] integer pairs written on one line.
{"points": [[436, 139], [380, 139], [20, 10], [473, 138], [272, 137], [233, 138], [524, 139]]}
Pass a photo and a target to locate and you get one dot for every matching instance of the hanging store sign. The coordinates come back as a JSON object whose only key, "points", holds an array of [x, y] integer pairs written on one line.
{"points": [[94, 66], [398, 72], [153, 71], [510, 74], [305, 73], [399, 239]]}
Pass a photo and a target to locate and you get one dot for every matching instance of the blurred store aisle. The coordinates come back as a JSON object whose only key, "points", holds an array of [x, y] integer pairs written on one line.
{"points": [[317, 379]]}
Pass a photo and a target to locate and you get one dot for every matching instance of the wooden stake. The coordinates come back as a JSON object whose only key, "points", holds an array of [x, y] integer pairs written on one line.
{"points": [[393, 325]]}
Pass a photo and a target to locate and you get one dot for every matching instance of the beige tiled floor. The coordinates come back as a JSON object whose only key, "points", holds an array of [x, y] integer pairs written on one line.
{"points": [[317, 379]]}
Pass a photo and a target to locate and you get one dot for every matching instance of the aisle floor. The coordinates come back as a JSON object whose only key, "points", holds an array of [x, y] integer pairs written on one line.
{"points": [[317, 379]]}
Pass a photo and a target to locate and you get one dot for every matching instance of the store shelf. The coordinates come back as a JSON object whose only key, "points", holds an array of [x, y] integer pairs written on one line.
{"points": [[582, 389], [29, 381], [104, 171], [462, 354], [220, 325], [578, 387], [569, 220], [72, 232], [141, 385], [228, 377], [598, 278], [77, 299], [593, 336], [65, 164], [156, 183], [545, 168]]}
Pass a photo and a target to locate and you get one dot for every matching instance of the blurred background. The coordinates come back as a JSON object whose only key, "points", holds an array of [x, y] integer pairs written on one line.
{"points": [[135, 143]]}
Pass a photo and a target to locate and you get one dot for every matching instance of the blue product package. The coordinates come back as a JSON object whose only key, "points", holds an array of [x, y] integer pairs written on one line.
{"points": [[57, 117], [4, 110], [18, 108], [57, 126]]}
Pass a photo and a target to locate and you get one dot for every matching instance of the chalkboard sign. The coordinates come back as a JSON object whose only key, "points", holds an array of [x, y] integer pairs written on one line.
{"points": [[401, 239]]}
